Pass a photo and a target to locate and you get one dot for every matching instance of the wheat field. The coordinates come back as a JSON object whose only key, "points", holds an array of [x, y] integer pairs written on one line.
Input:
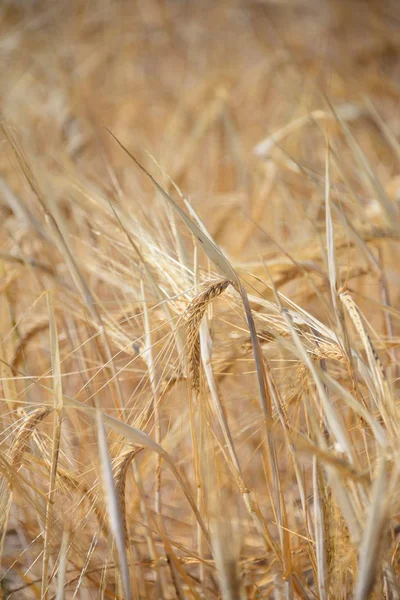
{"points": [[199, 299]]}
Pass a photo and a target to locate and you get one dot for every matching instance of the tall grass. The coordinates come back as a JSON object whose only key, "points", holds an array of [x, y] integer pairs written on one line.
{"points": [[199, 284]]}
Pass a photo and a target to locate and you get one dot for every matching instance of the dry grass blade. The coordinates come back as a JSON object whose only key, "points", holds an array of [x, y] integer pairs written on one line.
{"points": [[58, 415], [226, 560], [62, 567], [330, 239], [154, 383], [373, 535], [115, 514], [206, 353], [320, 531], [120, 470]]}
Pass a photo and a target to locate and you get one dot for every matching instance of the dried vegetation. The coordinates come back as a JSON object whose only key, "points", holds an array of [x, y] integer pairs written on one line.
{"points": [[199, 299]]}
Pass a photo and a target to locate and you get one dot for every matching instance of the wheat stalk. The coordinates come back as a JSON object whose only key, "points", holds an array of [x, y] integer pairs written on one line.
{"points": [[194, 313], [120, 468], [25, 431]]}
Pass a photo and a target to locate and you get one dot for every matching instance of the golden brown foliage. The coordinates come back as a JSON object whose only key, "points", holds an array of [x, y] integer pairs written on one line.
{"points": [[245, 227]]}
